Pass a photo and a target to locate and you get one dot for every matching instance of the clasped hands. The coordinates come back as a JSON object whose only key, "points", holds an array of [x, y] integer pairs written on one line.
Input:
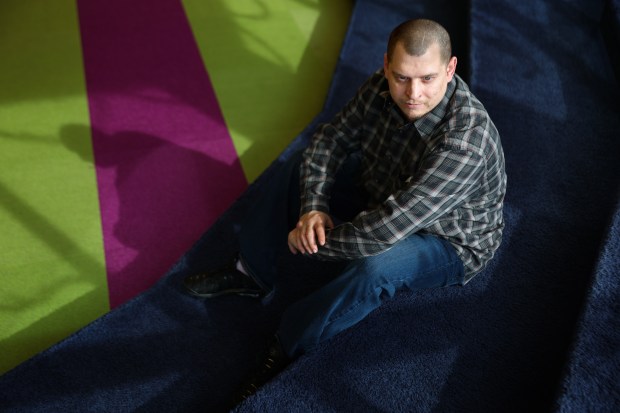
{"points": [[309, 233]]}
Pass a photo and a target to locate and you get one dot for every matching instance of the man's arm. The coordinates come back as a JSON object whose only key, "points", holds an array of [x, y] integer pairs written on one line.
{"points": [[331, 144], [329, 147], [447, 178]]}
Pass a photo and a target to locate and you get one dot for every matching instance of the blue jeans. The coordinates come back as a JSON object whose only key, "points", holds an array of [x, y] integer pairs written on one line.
{"points": [[417, 262]]}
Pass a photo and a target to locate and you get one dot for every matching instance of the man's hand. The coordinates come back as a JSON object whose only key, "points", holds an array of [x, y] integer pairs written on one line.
{"points": [[309, 231]]}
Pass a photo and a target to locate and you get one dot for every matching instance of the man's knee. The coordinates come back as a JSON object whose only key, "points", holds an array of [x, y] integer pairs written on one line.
{"points": [[367, 268]]}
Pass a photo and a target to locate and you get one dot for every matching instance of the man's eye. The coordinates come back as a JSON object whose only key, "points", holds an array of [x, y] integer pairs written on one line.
{"points": [[427, 78], [401, 78]]}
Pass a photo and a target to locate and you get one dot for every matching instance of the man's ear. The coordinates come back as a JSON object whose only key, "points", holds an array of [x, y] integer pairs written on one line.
{"points": [[385, 63], [451, 69]]}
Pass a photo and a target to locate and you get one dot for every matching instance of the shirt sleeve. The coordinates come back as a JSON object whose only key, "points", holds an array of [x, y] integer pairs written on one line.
{"points": [[446, 178], [329, 147]]}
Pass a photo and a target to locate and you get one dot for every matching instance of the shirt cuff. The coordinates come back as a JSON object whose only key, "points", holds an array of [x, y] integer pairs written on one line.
{"points": [[313, 203]]}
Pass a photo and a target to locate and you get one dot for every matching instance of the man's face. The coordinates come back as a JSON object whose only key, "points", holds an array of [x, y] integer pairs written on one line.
{"points": [[417, 83]]}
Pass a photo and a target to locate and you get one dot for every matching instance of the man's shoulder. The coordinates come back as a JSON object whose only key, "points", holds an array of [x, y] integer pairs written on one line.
{"points": [[372, 94], [465, 110], [376, 83], [465, 100], [467, 123]]}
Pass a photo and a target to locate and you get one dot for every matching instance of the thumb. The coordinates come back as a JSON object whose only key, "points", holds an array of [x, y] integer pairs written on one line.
{"points": [[328, 222]]}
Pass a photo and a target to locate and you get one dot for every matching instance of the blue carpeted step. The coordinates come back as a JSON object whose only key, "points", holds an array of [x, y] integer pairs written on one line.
{"points": [[592, 375], [592, 379], [542, 70], [610, 27]]}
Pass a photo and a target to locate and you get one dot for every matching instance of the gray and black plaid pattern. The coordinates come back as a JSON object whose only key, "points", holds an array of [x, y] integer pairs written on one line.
{"points": [[442, 174]]}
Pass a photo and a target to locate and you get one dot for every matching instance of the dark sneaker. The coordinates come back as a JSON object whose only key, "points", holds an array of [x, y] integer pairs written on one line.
{"points": [[220, 282], [272, 362]]}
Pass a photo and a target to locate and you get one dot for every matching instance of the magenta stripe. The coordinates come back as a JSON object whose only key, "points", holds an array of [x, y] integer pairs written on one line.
{"points": [[166, 165]]}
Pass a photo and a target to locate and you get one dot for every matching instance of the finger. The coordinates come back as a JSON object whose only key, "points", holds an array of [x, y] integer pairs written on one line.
{"points": [[298, 236], [320, 235], [296, 240], [313, 235], [299, 242], [307, 240], [292, 249], [291, 246]]}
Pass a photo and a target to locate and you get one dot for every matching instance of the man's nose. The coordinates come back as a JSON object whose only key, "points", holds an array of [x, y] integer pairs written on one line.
{"points": [[413, 89]]}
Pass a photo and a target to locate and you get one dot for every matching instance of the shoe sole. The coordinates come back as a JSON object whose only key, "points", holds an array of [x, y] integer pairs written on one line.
{"points": [[241, 293]]}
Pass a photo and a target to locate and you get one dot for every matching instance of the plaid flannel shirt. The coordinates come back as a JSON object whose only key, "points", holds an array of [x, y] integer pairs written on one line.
{"points": [[442, 174]]}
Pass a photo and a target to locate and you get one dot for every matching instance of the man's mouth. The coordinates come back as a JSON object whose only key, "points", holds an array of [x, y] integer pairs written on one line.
{"points": [[413, 104]]}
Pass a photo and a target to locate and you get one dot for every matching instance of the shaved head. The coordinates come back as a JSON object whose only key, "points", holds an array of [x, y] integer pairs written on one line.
{"points": [[417, 36]]}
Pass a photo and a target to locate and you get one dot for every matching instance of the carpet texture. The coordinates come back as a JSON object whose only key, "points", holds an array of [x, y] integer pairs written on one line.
{"points": [[593, 374], [536, 331]]}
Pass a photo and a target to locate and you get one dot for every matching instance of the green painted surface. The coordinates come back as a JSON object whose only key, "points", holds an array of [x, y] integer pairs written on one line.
{"points": [[270, 63], [51, 253]]}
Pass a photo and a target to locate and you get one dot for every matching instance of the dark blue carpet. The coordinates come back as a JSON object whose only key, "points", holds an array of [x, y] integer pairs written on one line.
{"points": [[592, 379], [538, 330]]}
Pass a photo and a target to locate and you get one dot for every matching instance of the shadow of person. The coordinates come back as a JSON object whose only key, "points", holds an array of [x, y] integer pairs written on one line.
{"points": [[156, 199]]}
